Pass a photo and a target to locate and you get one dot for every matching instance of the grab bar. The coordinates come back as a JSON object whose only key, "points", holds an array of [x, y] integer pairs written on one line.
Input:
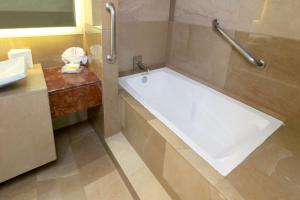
{"points": [[111, 58], [243, 52]]}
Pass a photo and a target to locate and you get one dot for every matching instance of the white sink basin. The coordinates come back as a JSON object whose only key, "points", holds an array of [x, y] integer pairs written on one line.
{"points": [[12, 70]]}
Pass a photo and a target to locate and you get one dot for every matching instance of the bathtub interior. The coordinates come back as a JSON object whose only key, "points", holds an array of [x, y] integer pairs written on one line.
{"points": [[212, 123]]}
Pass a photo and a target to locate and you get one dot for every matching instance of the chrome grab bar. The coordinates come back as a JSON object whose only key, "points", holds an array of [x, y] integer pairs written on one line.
{"points": [[111, 58], [243, 52]]}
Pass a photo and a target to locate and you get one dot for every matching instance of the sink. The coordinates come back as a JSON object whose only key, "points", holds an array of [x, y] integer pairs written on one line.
{"points": [[12, 70]]}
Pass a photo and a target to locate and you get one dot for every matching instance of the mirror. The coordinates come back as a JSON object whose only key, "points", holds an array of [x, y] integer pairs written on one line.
{"points": [[36, 13]]}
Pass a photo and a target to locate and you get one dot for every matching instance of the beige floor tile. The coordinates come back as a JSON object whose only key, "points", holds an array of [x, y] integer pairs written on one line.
{"points": [[82, 163], [147, 186], [126, 156], [87, 149], [95, 170], [109, 187], [68, 188], [65, 166], [23, 188]]}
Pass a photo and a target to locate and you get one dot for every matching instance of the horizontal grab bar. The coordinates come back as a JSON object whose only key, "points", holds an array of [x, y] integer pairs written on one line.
{"points": [[243, 52]]}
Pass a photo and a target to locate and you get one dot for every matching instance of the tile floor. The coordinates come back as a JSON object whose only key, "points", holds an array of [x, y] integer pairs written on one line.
{"points": [[83, 171]]}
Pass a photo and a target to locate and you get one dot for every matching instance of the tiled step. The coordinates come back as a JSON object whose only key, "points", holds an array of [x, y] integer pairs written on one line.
{"points": [[139, 176]]}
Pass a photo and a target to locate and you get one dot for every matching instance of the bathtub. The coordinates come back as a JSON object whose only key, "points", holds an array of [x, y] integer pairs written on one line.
{"points": [[222, 130]]}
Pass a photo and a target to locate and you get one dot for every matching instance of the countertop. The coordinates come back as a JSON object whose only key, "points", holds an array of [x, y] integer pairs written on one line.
{"points": [[70, 93], [33, 82], [57, 81]]}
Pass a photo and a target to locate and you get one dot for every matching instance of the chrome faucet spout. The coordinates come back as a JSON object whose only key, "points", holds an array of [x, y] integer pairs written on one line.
{"points": [[143, 66]]}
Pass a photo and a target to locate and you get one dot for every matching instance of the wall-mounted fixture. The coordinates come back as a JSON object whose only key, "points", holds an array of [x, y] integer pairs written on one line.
{"points": [[111, 58], [241, 50], [138, 64]]}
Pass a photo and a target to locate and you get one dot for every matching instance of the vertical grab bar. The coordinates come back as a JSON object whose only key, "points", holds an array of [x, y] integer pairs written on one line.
{"points": [[243, 52], [112, 56]]}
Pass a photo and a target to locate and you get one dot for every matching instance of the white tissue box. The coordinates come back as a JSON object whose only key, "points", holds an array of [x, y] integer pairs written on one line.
{"points": [[26, 53]]}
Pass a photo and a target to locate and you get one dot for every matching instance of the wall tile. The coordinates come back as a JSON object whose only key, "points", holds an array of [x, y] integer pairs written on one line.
{"points": [[46, 50], [271, 17], [144, 10], [200, 52], [204, 11], [148, 39]]}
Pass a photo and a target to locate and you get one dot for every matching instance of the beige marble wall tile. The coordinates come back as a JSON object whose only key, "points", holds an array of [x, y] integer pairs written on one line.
{"points": [[200, 52], [135, 130], [204, 11], [93, 12], [271, 17], [144, 10], [277, 86], [105, 15], [167, 134], [262, 92], [46, 50], [97, 40], [93, 46], [215, 194], [140, 38], [148, 39], [183, 178], [149, 145]]}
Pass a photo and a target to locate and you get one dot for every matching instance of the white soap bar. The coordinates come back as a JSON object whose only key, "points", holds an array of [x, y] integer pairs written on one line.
{"points": [[26, 53]]}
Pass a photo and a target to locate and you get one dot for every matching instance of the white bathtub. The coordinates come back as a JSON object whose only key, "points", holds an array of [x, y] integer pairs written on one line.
{"points": [[220, 129]]}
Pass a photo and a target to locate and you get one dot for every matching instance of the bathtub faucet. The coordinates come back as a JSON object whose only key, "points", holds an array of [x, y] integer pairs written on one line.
{"points": [[138, 63], [143, 66]]}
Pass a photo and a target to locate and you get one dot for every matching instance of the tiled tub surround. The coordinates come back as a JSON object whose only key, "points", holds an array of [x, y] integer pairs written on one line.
{"points": [[270, 172], [220, 129]]}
